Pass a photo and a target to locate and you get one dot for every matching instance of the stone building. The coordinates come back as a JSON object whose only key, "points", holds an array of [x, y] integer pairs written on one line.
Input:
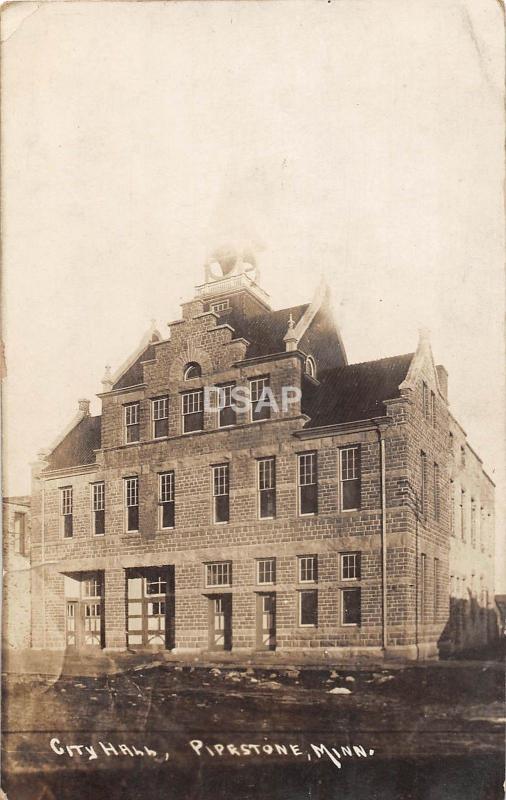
{"points": [[16, 572], [308, 511]]}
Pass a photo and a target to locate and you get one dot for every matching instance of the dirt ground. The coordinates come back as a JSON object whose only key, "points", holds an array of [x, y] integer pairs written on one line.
{"points": [[167, 730]]}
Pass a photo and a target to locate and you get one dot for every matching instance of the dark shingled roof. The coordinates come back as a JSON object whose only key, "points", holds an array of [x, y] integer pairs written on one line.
{"points": [[78, 445], [357, 391], [266, 331], [134, 374]]}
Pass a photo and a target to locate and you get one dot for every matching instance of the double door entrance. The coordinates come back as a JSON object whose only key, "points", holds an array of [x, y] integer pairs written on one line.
{"points": [[150, 607]]}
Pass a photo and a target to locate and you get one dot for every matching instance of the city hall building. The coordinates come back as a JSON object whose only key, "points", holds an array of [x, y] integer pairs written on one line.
{"points": [[246, 489]]}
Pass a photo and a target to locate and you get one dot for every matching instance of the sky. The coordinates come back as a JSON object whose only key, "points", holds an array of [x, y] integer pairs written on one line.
{"points": [[357, 140]]}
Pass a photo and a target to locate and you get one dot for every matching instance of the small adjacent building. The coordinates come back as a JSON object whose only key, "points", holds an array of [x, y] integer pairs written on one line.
{"points": [[16, 600], [246, 489]]}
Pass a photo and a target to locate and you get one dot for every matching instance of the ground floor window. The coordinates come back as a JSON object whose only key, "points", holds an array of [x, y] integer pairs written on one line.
{"points": [[351, 606], [308, 608]]}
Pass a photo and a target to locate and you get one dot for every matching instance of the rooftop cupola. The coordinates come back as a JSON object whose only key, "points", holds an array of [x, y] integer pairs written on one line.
{"points": [[231, 269]]}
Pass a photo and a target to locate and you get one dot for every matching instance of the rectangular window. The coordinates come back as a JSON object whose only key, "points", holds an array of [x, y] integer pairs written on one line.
{"points": [[423, 586], [260, 400], [219, 574], [193, 411], [462, 456], [351, 606], [132, 504], [266, 570], [463, 526], [267, 487], [223, 305], [473, 522], [482, 529], [436, 492], [308, 483], [20, 532], [308, 569], [436, 588], [451, 503], [350, 566], [433, 409], [92, 587], [423, 483], [227, 415], [98, 508], [350, 478], [166, 500], [66, 501], [425, 400], [308, 608], [132, 425], [221, 496], [160, 409]]}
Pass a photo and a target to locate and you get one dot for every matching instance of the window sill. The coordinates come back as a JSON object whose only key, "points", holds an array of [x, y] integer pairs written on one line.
{"points": [[225, 522], [350, 625], [170, 528], [309, 625], [309, 514]]}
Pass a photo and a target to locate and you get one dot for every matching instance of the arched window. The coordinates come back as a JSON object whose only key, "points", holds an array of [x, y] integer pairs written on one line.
{"points": [[311, 367], [192, 371]]}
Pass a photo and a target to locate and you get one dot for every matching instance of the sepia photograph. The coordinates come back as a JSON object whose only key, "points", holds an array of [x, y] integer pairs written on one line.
{"points": [[253, 400]]}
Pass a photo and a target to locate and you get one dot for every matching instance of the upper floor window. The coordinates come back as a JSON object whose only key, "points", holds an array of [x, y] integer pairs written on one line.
{"points": [[20, 532], [266, 571], [132, 504], [463, 526], [433, 409], [98, 507], [425, 400], [310, 366], [192, 370], [227, 409], [132, 424], [350, 478], [423, 483], [423, 584], [350, 566], [66, 503], [221, 505], [166, 500], [436, 491], [462, 456], [308, 483], [473, 522], [451, 443], [222, 305], [193, 411], [219, 574], [160, 409], [452, 507], [267, 487], [260, 398], [308, 569]]}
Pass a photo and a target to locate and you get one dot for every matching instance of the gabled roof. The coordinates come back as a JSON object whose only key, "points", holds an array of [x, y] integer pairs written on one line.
{"points": [[134, 374], [266, 332], [78, 445], [356, 391]]}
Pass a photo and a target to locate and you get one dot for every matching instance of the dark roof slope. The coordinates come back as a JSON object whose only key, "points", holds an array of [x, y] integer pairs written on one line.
{"points": [[78, 445], [266, 331], [357, 391], [134, 374]]}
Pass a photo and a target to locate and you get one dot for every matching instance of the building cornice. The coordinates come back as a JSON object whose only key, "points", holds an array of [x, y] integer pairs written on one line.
{"points": [[80, 469], [115, 392], [344, 427], [271, 357]]}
